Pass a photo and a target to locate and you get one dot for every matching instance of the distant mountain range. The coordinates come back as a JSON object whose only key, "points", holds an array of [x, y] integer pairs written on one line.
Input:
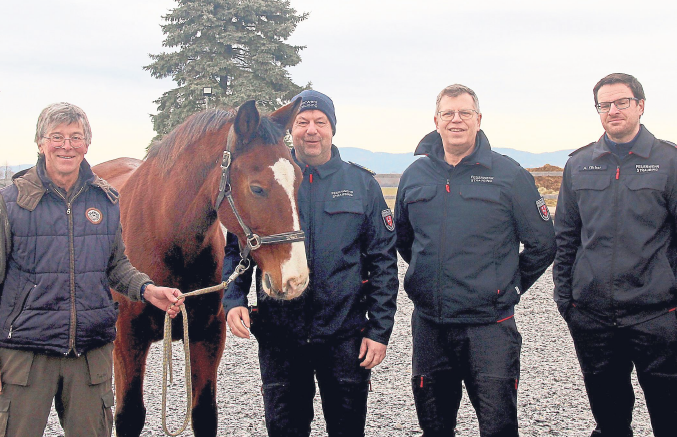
{"points": [[382, 162]]}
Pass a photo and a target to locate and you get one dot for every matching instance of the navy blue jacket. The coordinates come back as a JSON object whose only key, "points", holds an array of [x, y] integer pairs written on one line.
{"points": [[341, 210], [64, 254], [616, 222], [460, 228]]}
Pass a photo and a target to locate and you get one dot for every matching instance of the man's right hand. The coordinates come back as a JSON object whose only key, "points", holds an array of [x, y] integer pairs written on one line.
{"points": [[238, 321]]}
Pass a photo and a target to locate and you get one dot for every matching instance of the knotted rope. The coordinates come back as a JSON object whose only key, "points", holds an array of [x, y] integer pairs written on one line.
{"points": [[167, 350]]}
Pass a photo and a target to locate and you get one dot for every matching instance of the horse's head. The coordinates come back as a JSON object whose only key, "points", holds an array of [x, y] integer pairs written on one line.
{"points": [[264, 182]]}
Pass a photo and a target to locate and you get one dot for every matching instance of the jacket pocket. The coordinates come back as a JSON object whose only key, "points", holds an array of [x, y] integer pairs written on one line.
{"points": [[4, 416], [344, 205], [106, 425], [591, 182], [100, 364], [483, 213], [485, 192], [15, 366], [651, 181], [420, 194], [19, 306], [342, 216]]}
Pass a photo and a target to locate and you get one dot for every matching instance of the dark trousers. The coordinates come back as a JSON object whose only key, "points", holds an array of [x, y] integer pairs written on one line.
{"points": [[485, 357], [288, 374], [607, 355]]}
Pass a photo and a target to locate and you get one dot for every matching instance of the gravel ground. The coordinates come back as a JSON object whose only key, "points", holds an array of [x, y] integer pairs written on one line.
{"points": [[552, 399]]}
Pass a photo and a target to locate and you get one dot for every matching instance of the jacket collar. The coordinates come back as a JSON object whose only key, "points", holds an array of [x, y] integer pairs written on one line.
{"points": [[29, 187], [326, 169], [642, 147], [34, 182], [431, 146]]}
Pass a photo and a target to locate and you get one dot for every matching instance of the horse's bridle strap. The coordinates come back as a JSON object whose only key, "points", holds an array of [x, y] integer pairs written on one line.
{"points": [[285, 237], [224, 184]]}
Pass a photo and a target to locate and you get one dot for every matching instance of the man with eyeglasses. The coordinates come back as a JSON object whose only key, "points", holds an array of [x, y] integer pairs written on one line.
{"points": [[61, 249], [462, 211], [616, 262]]}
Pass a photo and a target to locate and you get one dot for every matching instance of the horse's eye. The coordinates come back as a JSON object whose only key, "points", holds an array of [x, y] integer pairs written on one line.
{"points": [[258, 191]]}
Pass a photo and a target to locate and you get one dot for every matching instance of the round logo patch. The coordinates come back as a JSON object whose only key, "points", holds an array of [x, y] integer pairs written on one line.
{"points": [[94, 216]]}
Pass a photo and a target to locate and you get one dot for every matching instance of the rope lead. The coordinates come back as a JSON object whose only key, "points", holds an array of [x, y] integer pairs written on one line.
{"points": [[167, 350]]}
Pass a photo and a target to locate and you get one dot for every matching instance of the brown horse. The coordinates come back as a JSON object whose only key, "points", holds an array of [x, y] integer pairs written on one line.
{"points": [[171, 219]]}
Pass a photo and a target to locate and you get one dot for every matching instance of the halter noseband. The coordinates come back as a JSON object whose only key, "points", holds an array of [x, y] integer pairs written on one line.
{"points": [[254, 241]]}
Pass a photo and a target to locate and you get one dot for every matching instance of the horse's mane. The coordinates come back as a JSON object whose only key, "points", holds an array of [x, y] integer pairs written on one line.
{"points": [[199, 125]]}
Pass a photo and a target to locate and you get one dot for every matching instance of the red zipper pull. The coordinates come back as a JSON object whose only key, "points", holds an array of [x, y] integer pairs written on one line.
{"points": [[311, 178], [618, 172], [448, 189]]}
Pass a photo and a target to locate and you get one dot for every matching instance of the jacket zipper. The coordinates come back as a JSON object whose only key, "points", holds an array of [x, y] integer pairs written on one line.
{"points": [[311, 239], [71, 249], [443, 232], [613, 253]]}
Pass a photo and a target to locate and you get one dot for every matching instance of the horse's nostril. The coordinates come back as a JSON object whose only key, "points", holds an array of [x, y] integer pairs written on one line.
{"points": [[296, 285]]}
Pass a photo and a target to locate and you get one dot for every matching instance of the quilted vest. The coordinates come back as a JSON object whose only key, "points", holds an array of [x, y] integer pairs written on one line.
{"points": [[56, 296]]}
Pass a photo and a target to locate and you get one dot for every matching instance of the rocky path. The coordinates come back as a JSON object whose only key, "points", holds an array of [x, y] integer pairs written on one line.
{"points": [[552, 400]]}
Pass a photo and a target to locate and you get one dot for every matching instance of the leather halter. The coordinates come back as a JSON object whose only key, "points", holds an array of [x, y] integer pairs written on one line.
{"points": [[254, 241]]}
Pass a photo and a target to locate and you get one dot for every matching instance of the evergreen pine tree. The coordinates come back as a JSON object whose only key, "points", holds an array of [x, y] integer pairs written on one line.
{"points": [[235, 47]]}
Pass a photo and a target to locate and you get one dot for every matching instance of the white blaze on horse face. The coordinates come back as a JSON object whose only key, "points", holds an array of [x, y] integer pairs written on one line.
{"points": [[295, 270]]}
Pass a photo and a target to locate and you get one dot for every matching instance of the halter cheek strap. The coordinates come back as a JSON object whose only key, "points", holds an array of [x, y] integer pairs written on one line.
{"points": [[254, 241]]}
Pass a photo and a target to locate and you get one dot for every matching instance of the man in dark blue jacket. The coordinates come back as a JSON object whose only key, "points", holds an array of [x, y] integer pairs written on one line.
{"points": [[61, 251], [339, 328], [616, 262], [461, 213]]}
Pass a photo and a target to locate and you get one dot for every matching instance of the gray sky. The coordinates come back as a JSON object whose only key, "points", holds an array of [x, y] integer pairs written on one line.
{"points": [[532, 63]]}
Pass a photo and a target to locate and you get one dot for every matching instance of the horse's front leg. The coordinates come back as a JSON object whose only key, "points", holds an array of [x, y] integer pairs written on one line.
{"points": [[129, 361], [205, 356]]}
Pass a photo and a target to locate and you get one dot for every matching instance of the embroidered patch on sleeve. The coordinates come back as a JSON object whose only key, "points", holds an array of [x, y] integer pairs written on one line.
{"points": [[543, 209], [94, 216], [387, 216]]}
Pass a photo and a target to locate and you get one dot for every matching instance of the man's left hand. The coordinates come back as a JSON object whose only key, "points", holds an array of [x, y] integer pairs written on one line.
{"points": [[165, 298], [373, 353]]}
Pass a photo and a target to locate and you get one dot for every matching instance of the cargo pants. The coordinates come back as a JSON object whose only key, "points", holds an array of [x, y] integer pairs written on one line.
{"points": [[81, 388]]}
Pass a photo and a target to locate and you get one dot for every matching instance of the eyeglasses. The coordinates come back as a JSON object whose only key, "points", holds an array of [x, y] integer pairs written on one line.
{"points": [[465, 114], [624, 103], [58, 141]]}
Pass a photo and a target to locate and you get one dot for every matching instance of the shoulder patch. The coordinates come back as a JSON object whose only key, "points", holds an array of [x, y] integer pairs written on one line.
{"points": [[543, 209], [388, 221], [581, 148], [361, 167]]}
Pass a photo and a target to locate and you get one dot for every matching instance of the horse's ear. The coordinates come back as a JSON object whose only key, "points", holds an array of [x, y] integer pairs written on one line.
{"points": [[247, 121], [285, 115]]}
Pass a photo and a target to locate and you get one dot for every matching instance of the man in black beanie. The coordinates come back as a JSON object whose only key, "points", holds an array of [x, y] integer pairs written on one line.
{"points": [[325, 333]]}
